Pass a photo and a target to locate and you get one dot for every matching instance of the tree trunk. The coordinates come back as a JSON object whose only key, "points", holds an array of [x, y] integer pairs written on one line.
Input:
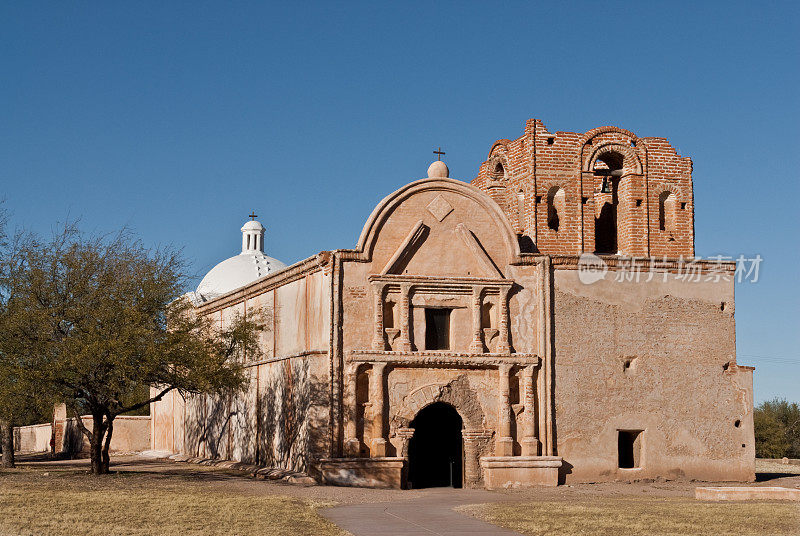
{"points": [[96, 445], [7, 432], [107, 444]]}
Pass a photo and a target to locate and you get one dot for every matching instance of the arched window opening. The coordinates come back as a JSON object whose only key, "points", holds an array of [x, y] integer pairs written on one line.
{"points": [[499, 172], [666, 212], [607, 175], [555, 207]]}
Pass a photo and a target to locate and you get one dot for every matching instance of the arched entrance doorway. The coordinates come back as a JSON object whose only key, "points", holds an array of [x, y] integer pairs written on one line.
{"points": [[435, 452]]}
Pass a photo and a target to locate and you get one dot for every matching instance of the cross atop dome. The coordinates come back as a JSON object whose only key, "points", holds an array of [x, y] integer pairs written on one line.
{"points": [[438, 169]]}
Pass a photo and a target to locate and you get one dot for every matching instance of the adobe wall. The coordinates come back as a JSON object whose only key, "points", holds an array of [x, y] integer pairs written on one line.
{"points": [[33, 438], [524, 175], [131, 434], [653, 356], [281, 419]]}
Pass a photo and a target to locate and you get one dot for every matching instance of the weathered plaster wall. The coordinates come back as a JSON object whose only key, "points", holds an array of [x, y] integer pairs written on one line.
{"points": [[131, 434], [34, 438], [681, 385], [281, 418]]}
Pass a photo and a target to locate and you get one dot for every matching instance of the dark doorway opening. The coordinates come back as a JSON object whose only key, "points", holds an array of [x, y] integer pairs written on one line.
{"points": [[435, 453], [629, 448], [437, 329]]}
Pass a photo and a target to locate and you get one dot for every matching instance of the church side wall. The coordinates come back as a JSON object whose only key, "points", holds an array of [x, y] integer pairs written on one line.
{"points": [[656, 358], [281, 418]]}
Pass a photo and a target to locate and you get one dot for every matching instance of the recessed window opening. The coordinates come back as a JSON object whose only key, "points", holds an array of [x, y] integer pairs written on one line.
{"points": [[555, 205], [388, 314], [499, 171], [666, 211], [437, 328], [550, 141], [737, 423], [248, 241], [629, 448]]}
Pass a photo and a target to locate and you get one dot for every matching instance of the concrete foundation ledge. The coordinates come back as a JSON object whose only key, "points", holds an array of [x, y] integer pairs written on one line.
{"points": [[747, 493], [520, 471], [387, 472]]}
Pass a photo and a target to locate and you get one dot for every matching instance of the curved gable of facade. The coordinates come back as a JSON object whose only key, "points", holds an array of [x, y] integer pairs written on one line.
{"points": [[439, 227]]}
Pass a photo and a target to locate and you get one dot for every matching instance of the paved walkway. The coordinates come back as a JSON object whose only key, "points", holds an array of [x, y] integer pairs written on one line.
{"points": [[431, 514]]}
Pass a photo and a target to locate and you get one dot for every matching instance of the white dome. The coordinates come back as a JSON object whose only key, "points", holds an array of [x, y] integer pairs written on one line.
{"points": [[242, 269], [237, 272]]}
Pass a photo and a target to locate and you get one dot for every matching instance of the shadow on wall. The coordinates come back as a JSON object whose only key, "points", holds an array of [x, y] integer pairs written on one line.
{"points": [[75, 442], [294, 415], [563, 471], [279, 421]]}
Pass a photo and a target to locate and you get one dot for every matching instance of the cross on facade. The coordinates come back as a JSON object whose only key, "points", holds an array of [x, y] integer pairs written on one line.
{"points": [[439, 153], [252, 215]]}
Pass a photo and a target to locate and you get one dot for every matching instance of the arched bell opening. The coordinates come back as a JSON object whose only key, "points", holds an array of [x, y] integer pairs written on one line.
{"points": [[608, 171], [436, 450]]}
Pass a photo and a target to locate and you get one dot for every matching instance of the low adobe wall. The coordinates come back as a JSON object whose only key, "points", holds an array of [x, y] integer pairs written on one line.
{"points": [[131, 434], [33, 438]]}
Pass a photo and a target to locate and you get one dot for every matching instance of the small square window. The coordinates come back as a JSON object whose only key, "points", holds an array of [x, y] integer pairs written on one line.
{"points": [[437, 328], [629, 448]]}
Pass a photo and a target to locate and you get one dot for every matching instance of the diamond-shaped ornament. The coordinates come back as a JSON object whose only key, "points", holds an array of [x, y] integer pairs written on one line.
{"points": [[440, 208]]}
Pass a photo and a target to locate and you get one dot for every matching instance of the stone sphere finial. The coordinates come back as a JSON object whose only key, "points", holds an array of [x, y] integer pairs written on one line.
{"points": [[438, 170]]}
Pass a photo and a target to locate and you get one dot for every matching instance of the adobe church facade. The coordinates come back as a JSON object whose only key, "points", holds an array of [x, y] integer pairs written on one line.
{"points": [[463, 342]]}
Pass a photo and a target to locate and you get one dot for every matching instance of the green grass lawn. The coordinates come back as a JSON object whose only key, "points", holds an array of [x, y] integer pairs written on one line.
{"points": [[643, 515], [41, 502]]}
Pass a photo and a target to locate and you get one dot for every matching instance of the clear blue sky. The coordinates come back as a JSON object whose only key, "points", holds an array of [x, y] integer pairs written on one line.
{"points": [[179, 118]]}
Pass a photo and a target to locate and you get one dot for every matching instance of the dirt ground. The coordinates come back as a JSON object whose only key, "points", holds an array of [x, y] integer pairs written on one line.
{"points": [[181, 490]]}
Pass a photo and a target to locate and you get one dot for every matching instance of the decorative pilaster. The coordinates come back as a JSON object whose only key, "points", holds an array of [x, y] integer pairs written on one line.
{"points": [[404, 342], [376, 395], [530, 443], [474, 441], [504, 445], [405, 435], [351, 442], [476, 347], [503, 346], [378, 341]]}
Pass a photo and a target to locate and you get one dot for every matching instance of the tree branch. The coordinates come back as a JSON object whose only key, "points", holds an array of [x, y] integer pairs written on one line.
{"points": [[142, 404], [79, 420]]}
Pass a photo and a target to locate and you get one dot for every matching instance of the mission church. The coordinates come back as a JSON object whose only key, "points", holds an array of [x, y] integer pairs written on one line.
{"points": [[463, 343]]}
